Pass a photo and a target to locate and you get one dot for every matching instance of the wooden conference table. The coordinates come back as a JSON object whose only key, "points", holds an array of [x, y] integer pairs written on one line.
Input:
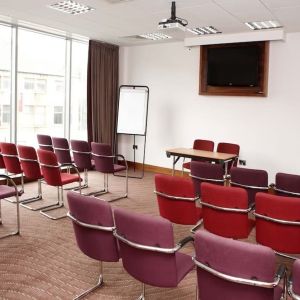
{"points": [[223, 158]]}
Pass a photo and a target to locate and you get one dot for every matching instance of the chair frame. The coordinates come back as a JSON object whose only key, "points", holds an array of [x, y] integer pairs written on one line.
{"points": [[280, 274], [96, 227], [279, 221], [105, 188], [290, 290], [60, 195], [8, 178], [252, 187], [171, 197], [286, 192], [173, 250], [209, 179]]}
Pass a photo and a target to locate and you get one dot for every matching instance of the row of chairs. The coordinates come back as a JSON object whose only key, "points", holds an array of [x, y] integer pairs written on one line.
{"points": [[98, 156], [208, 145], [226, 269]]}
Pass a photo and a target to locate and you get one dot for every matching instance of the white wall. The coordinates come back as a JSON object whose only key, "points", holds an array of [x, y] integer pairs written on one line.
{"points": [[267, 129]]}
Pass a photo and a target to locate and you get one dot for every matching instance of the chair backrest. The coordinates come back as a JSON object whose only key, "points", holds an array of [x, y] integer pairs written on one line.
{"points": [[253, 180], [62, 150], [2, 165], [206, 172], [205, 145], [275, 234], [233, 224], [95, 242], [81, 154], [49, 166], [176, 199], [149, 267], [233, 258], [296, 277], [287, 184], [230, 149], [10, 158], [103, 157], [45, 142], [29, 162]]}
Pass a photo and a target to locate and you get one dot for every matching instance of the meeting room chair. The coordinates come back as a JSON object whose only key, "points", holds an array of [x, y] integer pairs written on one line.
{"points": [[230, 149], [206, 172], [62, 150], [7, 192], [2, 165], [104, 163], [177, 201], [253, 180], [229, 269], [93, 226], [294, 281], [53, 176], [287, 185], [147, 249], [82, 156], [278, 223], [225, 211], [205, 145], [45, 142]]}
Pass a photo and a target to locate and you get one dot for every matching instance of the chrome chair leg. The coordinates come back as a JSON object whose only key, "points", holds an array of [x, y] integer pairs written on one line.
{"points": [[98, 285], [126, 190], [143, 295], [198, 225]]}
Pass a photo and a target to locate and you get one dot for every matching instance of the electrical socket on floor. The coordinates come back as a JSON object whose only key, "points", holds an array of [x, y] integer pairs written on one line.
{"points": [[242, 162]]}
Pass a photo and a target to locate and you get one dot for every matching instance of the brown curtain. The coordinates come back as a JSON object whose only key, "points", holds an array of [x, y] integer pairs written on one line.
{"points": [[102, 92]]}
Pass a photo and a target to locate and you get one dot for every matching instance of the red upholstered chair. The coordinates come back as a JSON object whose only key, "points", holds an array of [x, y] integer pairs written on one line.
{"points": [[287, 185], [235, 270], [148, 252], [176, 199], [294, 281], [230, 149], [104, 163], [253, 180], [205, 145], [93, 225], [53, 176], [206, 172], [278, 222], [6, 192], [45, 142], [225, 211]]}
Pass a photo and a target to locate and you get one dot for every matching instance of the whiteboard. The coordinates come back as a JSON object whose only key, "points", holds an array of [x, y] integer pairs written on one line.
{"points": [[132, 112]]}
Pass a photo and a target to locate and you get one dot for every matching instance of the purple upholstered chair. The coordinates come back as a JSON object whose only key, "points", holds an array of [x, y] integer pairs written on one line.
{"points": [[206, 172], [287, 185], [93, 226], [62, 150], [10, 191], [104, 163], [294, 282], [147, 249], [45, 142], [252, 180], [228, 269]]}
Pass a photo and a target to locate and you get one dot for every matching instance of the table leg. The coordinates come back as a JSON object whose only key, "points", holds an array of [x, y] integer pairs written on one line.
{"points": [[226, 167]]}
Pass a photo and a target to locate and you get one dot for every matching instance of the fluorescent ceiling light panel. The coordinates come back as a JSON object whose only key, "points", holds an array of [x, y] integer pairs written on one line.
{"points": [[260, 25], [71, 7], [155, 36], [204, 30]]}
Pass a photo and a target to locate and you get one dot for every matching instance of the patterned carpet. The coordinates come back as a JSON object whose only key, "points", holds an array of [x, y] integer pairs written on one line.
{"points": [[45, 263]]}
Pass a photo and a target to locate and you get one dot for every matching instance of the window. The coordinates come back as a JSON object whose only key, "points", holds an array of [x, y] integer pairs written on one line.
{"points": [[58, 115], [4, 83], [59, 86], [41, 85], [29, 84], [5, 114]]}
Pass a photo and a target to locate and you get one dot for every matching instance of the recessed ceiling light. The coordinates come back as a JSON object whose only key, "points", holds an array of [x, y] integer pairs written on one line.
{"points": [[259, 25], [155, 36], [71, 7], [204, 30]]}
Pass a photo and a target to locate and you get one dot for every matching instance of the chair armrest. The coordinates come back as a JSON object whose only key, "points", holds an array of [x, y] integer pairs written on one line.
{"points": [[123, 158], [11, 181], [70, 165], [281, 272], [184, 241]]}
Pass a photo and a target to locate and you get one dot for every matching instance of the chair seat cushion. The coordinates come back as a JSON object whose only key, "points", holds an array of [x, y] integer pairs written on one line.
{"points": [[184, 265], [69, 178], [118, 168], [7, 191]]}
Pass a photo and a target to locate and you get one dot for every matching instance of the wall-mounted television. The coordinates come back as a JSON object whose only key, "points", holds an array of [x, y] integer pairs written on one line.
{"points": [[234, 69]]}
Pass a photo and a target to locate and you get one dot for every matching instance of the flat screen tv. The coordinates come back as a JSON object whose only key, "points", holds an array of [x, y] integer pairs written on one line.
{"points": [[234, 69]]}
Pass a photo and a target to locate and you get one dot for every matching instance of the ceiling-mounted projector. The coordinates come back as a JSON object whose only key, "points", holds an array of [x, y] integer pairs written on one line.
{"points": [[173, 22]]}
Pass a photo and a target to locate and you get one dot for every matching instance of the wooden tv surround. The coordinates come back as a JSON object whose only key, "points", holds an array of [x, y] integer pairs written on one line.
{"points": [[258, 91]]}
